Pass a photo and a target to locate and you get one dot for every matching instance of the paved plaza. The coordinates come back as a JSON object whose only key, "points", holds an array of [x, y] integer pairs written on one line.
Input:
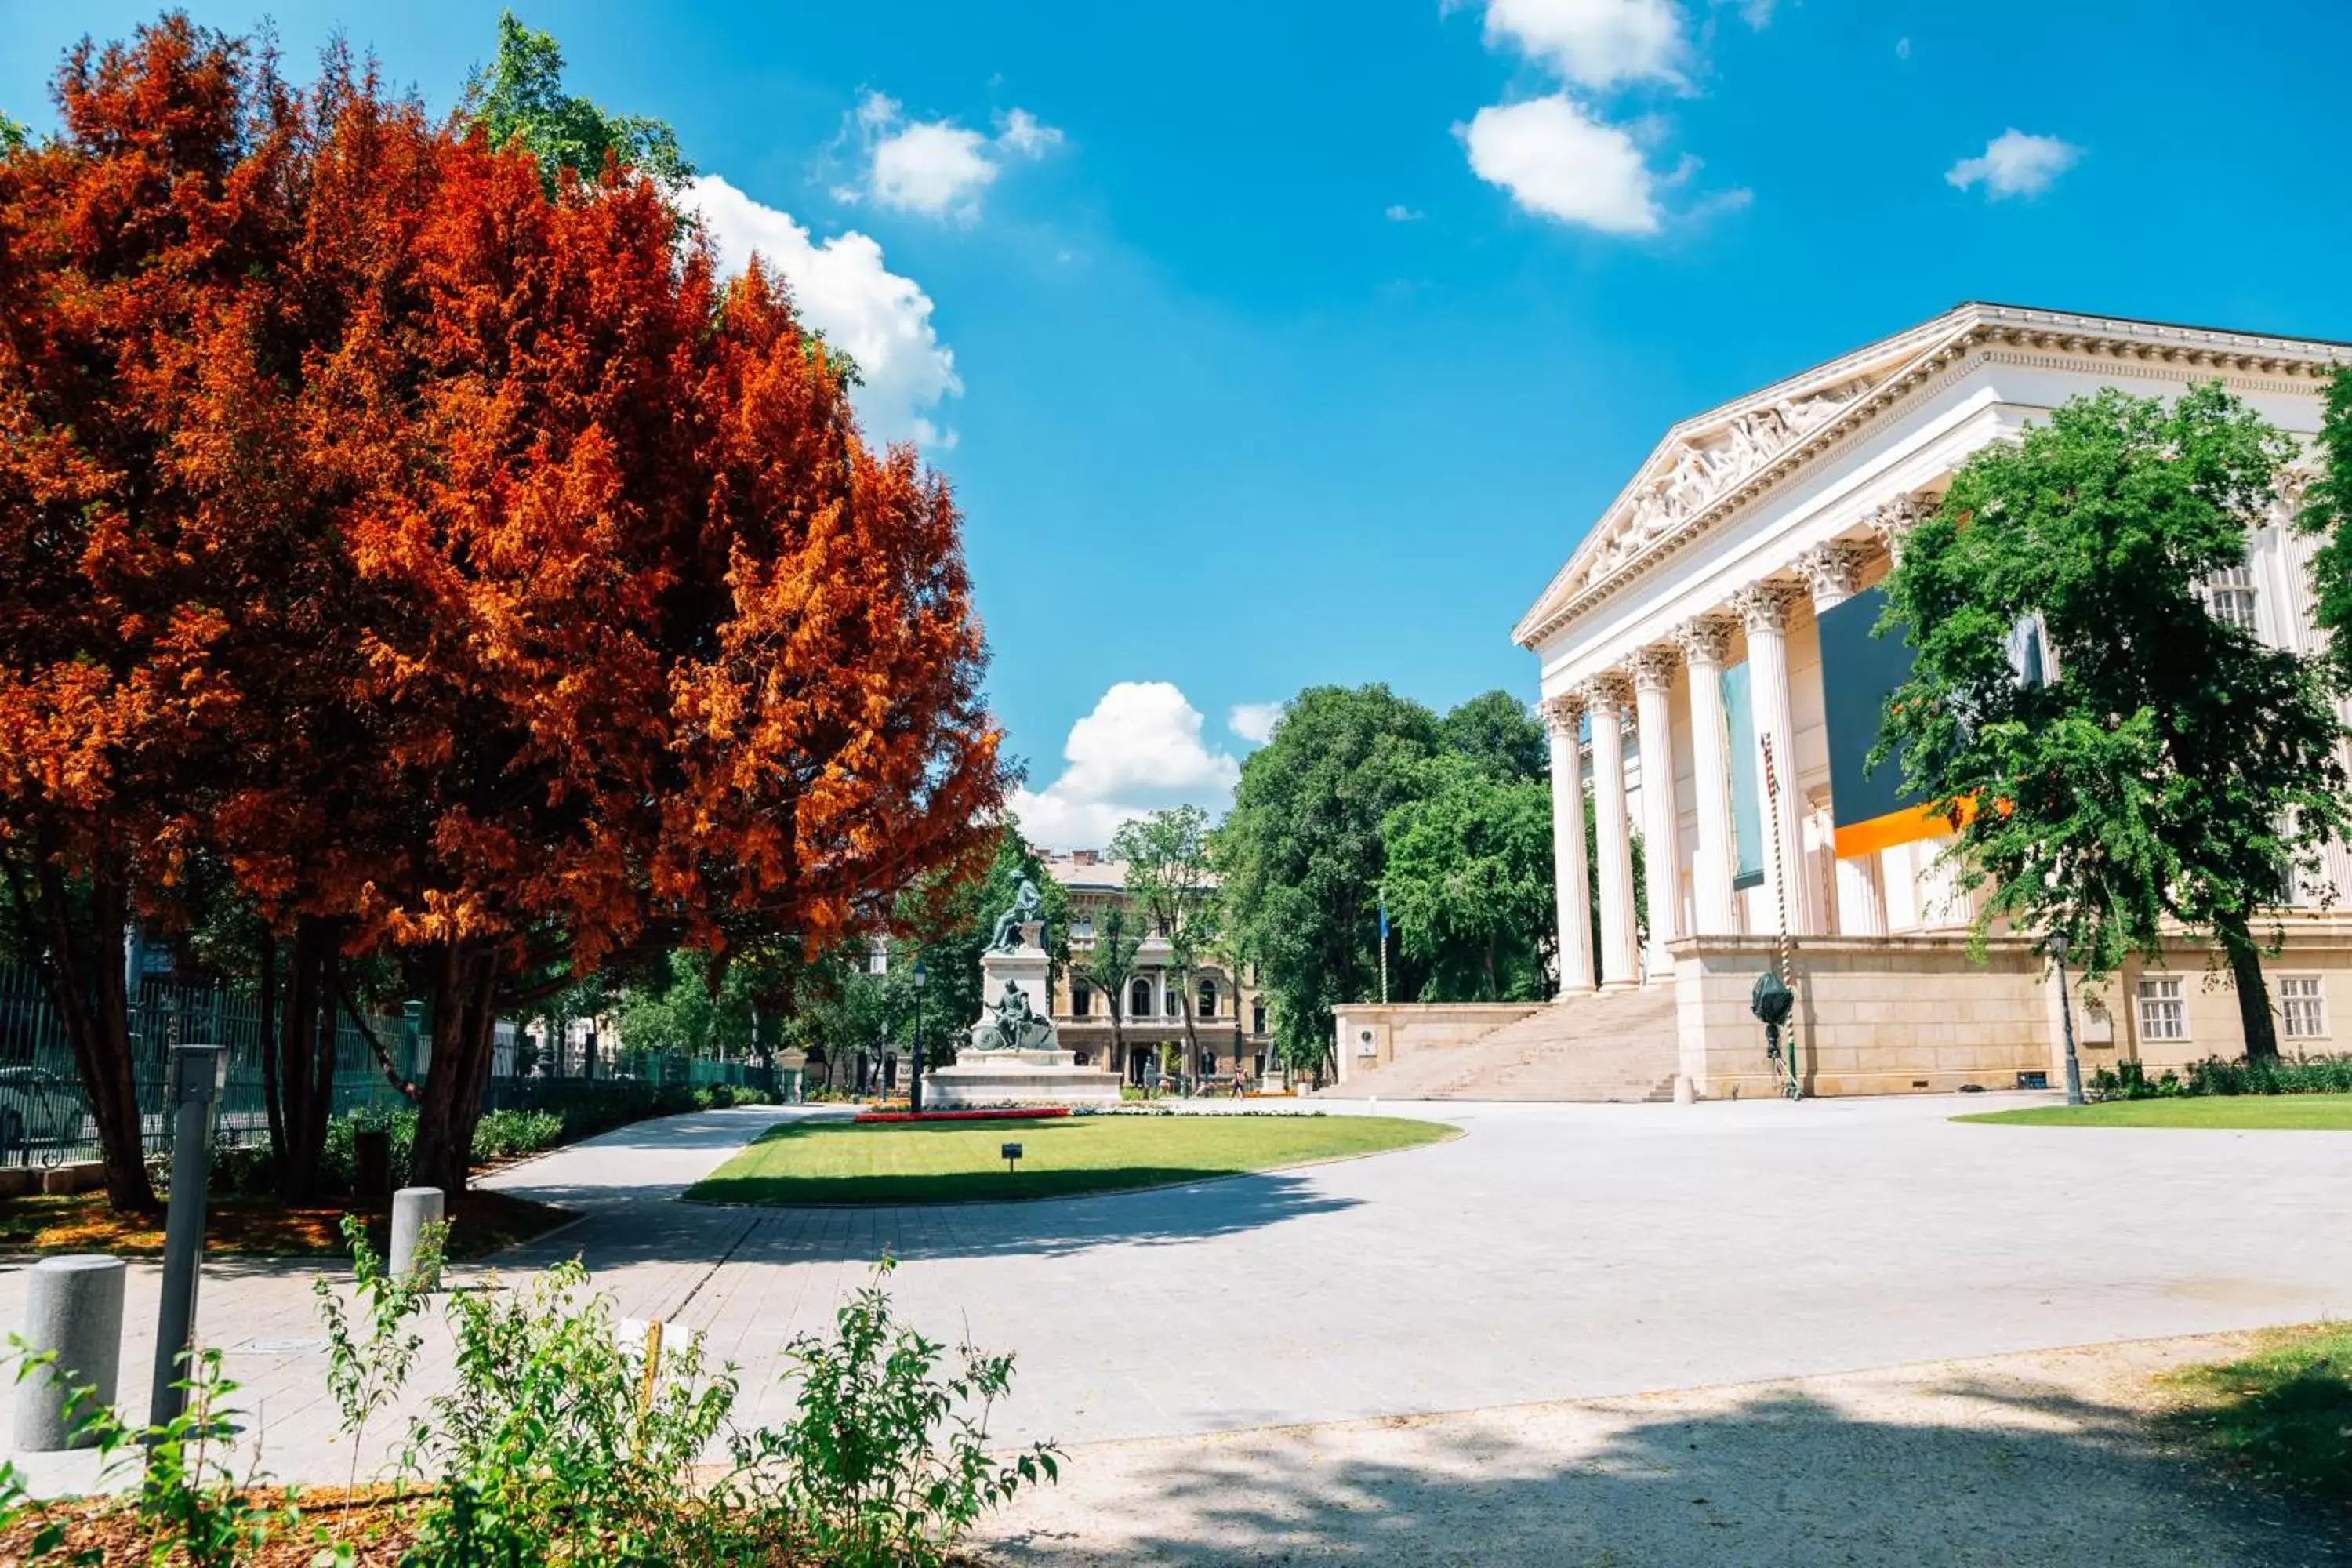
{"points": [[1553, 1253]]}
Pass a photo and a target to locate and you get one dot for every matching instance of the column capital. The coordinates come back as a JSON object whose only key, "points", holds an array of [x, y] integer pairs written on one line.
{"points": [[1764, 606], [1563, 713], [1706, 639], [1654, 667], [1832, 571], [1609, 692], [1896, 518]]}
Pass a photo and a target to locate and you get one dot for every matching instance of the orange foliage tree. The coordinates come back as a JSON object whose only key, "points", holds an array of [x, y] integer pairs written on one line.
{"points": [[544, 599]]}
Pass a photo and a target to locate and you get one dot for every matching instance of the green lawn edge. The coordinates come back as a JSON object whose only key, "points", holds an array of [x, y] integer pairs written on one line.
{"points": [[2220, 1113], [1439, 1132], [2281, 1416]]}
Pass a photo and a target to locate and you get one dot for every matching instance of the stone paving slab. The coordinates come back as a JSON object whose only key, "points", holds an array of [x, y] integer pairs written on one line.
{"points": [[1556, 1252], [2035, 1459]]}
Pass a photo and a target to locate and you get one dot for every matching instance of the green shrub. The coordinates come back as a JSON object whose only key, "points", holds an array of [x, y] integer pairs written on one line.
{"points": [[504, 1135]]}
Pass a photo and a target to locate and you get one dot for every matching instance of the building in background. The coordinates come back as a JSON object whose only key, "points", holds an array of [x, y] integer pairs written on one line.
{"points": [[1229, 1021]]}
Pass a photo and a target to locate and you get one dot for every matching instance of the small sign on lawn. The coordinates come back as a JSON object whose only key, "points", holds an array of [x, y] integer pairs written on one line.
{"points": [[1010, 1151]]}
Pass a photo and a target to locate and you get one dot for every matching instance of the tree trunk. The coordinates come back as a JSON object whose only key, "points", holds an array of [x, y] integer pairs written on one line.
{"points": [[305, 1076], [85, 974], [464, 1025], [2253, 992], [272, 1106]]}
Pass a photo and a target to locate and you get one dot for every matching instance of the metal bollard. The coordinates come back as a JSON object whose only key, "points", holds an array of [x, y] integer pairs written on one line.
{"points": [[414, 1208], [73, 1307]]}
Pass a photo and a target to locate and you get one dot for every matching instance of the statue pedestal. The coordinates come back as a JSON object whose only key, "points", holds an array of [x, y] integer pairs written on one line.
{"points": [[981, 1080], [992, 1072]]}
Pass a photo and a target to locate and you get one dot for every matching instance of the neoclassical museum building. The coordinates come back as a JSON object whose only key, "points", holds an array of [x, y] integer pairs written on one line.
{"points": [[1707, 673]]}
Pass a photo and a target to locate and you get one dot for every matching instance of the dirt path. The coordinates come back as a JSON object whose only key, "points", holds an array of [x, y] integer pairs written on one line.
{"points": [[2032, 1459]]}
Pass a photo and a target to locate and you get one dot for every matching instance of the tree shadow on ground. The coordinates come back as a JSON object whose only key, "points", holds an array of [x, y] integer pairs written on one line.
{"points": [[1199, 1208], [1775, 1478]]}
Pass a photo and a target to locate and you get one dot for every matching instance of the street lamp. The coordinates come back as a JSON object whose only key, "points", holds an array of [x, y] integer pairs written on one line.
{"points": [[2058, 946], [915, 1084]]}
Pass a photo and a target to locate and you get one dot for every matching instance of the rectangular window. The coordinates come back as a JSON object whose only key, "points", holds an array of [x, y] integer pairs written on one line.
{"points": [[1082, 927], [1746, 788], [2301, 1007], [2162, 1013], [1082, 998], [2230, 594]]}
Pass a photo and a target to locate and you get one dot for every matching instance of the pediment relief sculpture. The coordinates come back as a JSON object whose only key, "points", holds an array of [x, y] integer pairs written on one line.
{"points": [[1694, 473]]}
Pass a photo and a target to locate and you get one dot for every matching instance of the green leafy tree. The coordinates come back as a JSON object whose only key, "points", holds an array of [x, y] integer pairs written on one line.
{"points": [[2171, 768], [1107, 963], [12, 134], [2327, 509], [1300, 856], [520, 98], [1495, 730], [1174, 889], [688, 1007], [1469, 882]]}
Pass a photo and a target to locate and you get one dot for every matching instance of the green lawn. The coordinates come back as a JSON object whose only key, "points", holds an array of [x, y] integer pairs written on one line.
{"points": [[934, 1162], [2283, 1112], [2282, 1417]]}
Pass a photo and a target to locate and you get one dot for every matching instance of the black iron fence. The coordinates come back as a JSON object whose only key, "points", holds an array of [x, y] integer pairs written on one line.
{"points": [[45, 1117]]}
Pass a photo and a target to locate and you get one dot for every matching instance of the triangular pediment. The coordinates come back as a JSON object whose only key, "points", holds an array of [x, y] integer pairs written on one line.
{"points": [[1706, 462]]}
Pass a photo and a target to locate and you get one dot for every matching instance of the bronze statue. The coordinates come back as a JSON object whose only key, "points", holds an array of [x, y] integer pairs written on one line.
{"points": [[1027, 907]]}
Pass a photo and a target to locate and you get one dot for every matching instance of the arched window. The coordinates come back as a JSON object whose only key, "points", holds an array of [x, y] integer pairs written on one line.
{"points": [[1257, 1017], [1172, 996], [1138, 999], [1082, 998], [1207, 1008]]}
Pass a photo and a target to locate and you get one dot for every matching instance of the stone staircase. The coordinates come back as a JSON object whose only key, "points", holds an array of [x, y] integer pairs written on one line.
{"points": [[1618, 1046]]}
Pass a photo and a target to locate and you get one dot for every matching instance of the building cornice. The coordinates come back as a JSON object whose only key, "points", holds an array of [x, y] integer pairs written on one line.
{"points": [[1895, 371]]}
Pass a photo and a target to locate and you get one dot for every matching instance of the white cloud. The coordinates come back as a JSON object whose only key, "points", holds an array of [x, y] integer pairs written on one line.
{"points": [[1557, 161], [1255, 721], [1138, 750], [841, 288], [936, 167], [1756, 14], [1024, 133], [1399, 213], [1596, 44], [2015, 164]]}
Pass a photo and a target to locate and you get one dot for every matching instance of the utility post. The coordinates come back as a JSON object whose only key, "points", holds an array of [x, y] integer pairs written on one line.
{"points": [[915, 1083], [193, 1084]]}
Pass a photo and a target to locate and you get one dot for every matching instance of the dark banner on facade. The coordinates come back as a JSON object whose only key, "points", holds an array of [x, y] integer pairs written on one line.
{"points": [[1859, 673]]}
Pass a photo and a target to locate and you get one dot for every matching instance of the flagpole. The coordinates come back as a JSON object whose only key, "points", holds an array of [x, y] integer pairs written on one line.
{"points": [[1384, 951]]}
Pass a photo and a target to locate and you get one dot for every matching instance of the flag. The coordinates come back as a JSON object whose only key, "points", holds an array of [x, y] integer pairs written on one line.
{"points": [[1384, 920]]}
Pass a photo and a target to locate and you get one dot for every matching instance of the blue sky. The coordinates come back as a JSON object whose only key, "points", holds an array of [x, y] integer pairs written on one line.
{"points": [[1279, 343]]}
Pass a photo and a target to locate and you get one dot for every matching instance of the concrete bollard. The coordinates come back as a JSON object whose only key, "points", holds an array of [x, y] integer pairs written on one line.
{"points": [[1686, 1092], [74, 1307], [414, 1208]]}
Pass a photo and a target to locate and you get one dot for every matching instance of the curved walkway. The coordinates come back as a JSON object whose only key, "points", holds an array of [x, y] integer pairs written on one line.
{"points": [[1557, 1252]]}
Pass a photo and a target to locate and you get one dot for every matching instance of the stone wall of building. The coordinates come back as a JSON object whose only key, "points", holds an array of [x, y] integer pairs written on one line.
{"points": [[1368, 1034], [1875, 1014]]}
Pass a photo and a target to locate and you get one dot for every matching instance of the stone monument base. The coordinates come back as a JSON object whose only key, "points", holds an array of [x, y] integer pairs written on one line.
{"points": [[982, 1080]]}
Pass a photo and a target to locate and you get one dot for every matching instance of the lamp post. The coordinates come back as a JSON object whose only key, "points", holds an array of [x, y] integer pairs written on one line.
{"points": [[915, 1084], [2058, 946]]}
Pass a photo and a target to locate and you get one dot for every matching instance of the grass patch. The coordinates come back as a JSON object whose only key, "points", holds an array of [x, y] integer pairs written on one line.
{"points": [[937, 1162], [481, 1223], [2285, 1112], [2282, 1417]]}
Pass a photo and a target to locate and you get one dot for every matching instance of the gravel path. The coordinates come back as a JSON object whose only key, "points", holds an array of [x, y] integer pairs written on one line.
{"points": [[2039, 1459]]}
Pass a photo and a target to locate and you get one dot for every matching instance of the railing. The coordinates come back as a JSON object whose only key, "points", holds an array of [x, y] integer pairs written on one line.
{"points": [[45, 1116]]}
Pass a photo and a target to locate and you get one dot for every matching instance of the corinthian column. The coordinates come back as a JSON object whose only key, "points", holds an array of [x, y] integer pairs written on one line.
{"points": [[1654, 675], [1607, 699], [1764, 609], [1832, 572], [1706, 643], [1571, 878]]}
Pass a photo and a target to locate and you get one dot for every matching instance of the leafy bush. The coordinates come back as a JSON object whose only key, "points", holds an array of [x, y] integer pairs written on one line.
{"points": [[560, 1443], [504, 1135], [886, 1461], [2288, 1075]]}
